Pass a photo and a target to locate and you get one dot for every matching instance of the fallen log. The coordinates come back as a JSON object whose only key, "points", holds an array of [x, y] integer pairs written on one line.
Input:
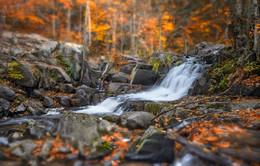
{"points": [[197, 150]]}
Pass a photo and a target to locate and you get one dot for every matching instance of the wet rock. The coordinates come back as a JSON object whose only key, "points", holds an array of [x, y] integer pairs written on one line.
{"points": [[79, 127], [118, 87], [136, 120], [67, 88], [21, 108], [23, 149], [46, 148], [34, 129], [177, 113], [4, 105], [111, 118], [64, 101], [211, 54], [48, 102], [144, 77], [202, 85], [6, 93], [34, 107], [153, 146], [120, 77]]}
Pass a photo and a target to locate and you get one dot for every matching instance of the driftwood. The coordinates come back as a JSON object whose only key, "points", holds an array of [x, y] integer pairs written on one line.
{"points": [[242, 154], [197, 150]]}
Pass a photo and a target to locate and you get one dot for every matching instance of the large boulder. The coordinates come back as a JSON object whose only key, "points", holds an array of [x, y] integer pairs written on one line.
{"points": [[81, 128], [34, 129], [210, 53], [154, 146], [136, 120], [7, 93], [27, 78], [202, 85], [120, 77], [84, 95], [144, 77]]}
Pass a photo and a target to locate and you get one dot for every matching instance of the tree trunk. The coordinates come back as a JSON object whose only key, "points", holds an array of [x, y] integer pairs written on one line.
{"points": [[89, 24], [256, 34], [114, 29], [69, 22], [84, 45]]}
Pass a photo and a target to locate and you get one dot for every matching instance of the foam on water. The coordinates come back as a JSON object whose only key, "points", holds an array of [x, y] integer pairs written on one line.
{"points": [[174, 86]]}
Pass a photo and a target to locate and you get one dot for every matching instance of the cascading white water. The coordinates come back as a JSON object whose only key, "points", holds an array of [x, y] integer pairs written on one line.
{"points": [[173, 87]]}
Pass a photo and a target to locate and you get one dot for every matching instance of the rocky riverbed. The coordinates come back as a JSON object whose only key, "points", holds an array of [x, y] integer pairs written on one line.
{"points": [[40, 90]]}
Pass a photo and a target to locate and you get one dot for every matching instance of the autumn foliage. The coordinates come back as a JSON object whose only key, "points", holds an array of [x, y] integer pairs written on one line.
{"points": [[139, 26]]}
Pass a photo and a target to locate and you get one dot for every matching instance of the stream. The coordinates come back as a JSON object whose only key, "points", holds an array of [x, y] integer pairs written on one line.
{"points": [[174, 86]]}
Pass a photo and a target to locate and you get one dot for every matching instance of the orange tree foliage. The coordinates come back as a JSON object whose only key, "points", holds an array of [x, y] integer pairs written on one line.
{"points": [[178, 24]]}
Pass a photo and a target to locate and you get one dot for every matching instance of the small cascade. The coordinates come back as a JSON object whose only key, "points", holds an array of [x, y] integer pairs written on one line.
{"points": [[174, 86]]}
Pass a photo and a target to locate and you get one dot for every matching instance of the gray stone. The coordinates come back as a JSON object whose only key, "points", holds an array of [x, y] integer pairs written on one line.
{"points": [[136, 120], [87, 89], [34, 129], [80, 127], [46, 148], [36, 94], [64, 101], [61, 75], [28, 79], [34, 107], [81, 98], [21, 108], [15, 136], [4, 105], [6, 93], [23, 149], [144, 77], [118, 87], [201, 86], [48, 102], [153, 146], [67, 88], [120, 77], [127, 68]]}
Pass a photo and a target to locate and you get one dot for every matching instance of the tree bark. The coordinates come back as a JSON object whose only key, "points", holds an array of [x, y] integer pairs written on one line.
{"points": [[84, 44], [256, 34]]}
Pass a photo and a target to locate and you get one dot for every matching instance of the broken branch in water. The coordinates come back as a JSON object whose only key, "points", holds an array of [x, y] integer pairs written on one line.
{"points": [[195, 149]]}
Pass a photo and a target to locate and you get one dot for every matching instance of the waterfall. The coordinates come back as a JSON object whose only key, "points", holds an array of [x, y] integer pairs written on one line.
{"points": [[174, 86]]}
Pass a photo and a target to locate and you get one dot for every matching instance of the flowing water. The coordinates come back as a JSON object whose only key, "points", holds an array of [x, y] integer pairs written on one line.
{"points": [[174, 86]]}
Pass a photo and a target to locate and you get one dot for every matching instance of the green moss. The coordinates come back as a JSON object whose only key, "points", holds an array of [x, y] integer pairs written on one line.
{"points": [[14, 71], [62, 62], [168, 59], [156, 63], [178, 63], [104, 147]]}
